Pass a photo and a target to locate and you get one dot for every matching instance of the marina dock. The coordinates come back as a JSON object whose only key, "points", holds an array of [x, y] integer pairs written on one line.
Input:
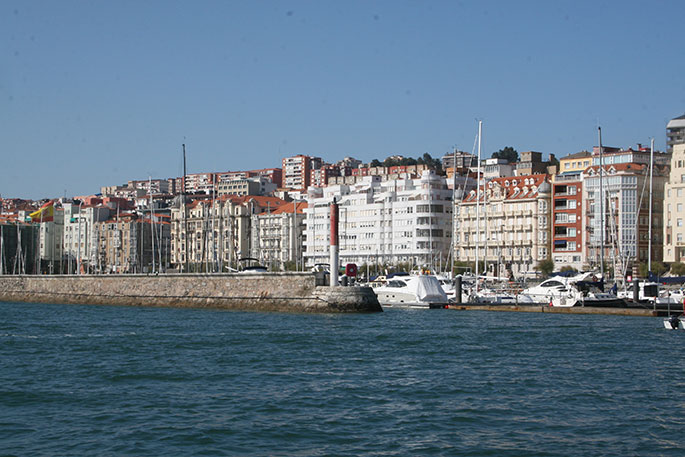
{"points": [[563, 310]]}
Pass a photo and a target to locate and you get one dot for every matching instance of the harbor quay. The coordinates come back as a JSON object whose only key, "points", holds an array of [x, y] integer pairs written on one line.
{"points": [[279, 292]]}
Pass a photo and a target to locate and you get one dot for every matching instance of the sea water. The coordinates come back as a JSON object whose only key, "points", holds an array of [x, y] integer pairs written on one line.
{"points": [[100, 380]]}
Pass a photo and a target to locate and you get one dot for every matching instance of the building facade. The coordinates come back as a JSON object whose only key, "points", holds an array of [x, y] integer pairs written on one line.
{"points": [[133, 243], [510, 225], [675, 132], [297, 171], [214, 234], [80, 237], [575, 163], [567, 221], [383, 222], [278, 237], [617, 216], [674, 214]]}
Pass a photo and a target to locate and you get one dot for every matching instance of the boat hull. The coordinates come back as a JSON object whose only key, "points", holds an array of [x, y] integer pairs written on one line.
{"points": [[406, 300], [674, 324]]}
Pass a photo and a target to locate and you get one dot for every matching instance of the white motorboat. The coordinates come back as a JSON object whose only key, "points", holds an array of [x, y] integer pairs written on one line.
{"points": [[491, 297], [648, 292], [674, 323], [556, 291], [422, 291]]}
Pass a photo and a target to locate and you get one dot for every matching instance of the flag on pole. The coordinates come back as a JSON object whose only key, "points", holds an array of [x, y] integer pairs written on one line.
{"points": [[45, 213]]}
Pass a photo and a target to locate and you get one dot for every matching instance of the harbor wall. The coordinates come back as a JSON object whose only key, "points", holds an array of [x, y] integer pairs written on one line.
{"points": [[282, 292]]}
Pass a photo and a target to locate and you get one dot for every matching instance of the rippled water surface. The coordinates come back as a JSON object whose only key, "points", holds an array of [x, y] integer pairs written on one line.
{"points": [[80, 380]]}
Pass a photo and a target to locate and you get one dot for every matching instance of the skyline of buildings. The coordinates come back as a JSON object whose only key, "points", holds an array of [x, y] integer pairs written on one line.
{"points": [[530, 211]]}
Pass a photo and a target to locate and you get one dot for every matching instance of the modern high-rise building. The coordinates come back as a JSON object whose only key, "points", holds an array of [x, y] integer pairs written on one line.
{"points": [[675, 132], [297, 171]]}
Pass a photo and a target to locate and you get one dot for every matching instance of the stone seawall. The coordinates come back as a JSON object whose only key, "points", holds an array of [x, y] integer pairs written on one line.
{"points": [[283, 292]]}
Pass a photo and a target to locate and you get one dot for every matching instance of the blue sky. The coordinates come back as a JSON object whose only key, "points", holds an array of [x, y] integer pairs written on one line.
{"points": [[96, 93]]}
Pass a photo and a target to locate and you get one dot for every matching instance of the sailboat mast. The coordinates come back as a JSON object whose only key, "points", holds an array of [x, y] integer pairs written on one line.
{"points": [[601, 205], [651, 173], [451, 256], [480, 136], [2, 251], [183, 205], [152, 229]]}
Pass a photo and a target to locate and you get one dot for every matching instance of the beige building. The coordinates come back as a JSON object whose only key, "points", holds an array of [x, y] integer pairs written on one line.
{"points": [[214, 234], [511, 228], [575, 163], [674, 208], [125, 244]]}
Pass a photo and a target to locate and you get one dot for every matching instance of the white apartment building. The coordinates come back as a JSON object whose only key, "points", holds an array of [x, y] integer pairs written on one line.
{"points": [[278, 236], [510, 227], [382, 222], [621, 210], [51, 236], [674, 214], [496, 168], [80, 239]]}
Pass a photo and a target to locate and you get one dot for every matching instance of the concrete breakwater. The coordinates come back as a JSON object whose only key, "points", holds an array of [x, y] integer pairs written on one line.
{"points": [[282, 292]]}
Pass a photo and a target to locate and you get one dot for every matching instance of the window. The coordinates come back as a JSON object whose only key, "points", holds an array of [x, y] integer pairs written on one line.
{"points": [[572, 204], [679, 222], [680, 207]]}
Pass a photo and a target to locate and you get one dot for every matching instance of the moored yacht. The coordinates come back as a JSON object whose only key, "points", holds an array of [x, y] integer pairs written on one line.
{"points": [[577, 290], [422, 291]]}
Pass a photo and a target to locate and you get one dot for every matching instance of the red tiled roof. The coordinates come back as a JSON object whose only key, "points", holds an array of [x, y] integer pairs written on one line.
{"points": [[288, 208], [512, 191]]}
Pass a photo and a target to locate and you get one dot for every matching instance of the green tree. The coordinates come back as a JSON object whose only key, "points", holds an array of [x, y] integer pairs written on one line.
{"points": [[546, 267], [508, 153], [658, 269], [289, 265], [568, 268], [678, 269], [375, 163], [390, 162]]}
